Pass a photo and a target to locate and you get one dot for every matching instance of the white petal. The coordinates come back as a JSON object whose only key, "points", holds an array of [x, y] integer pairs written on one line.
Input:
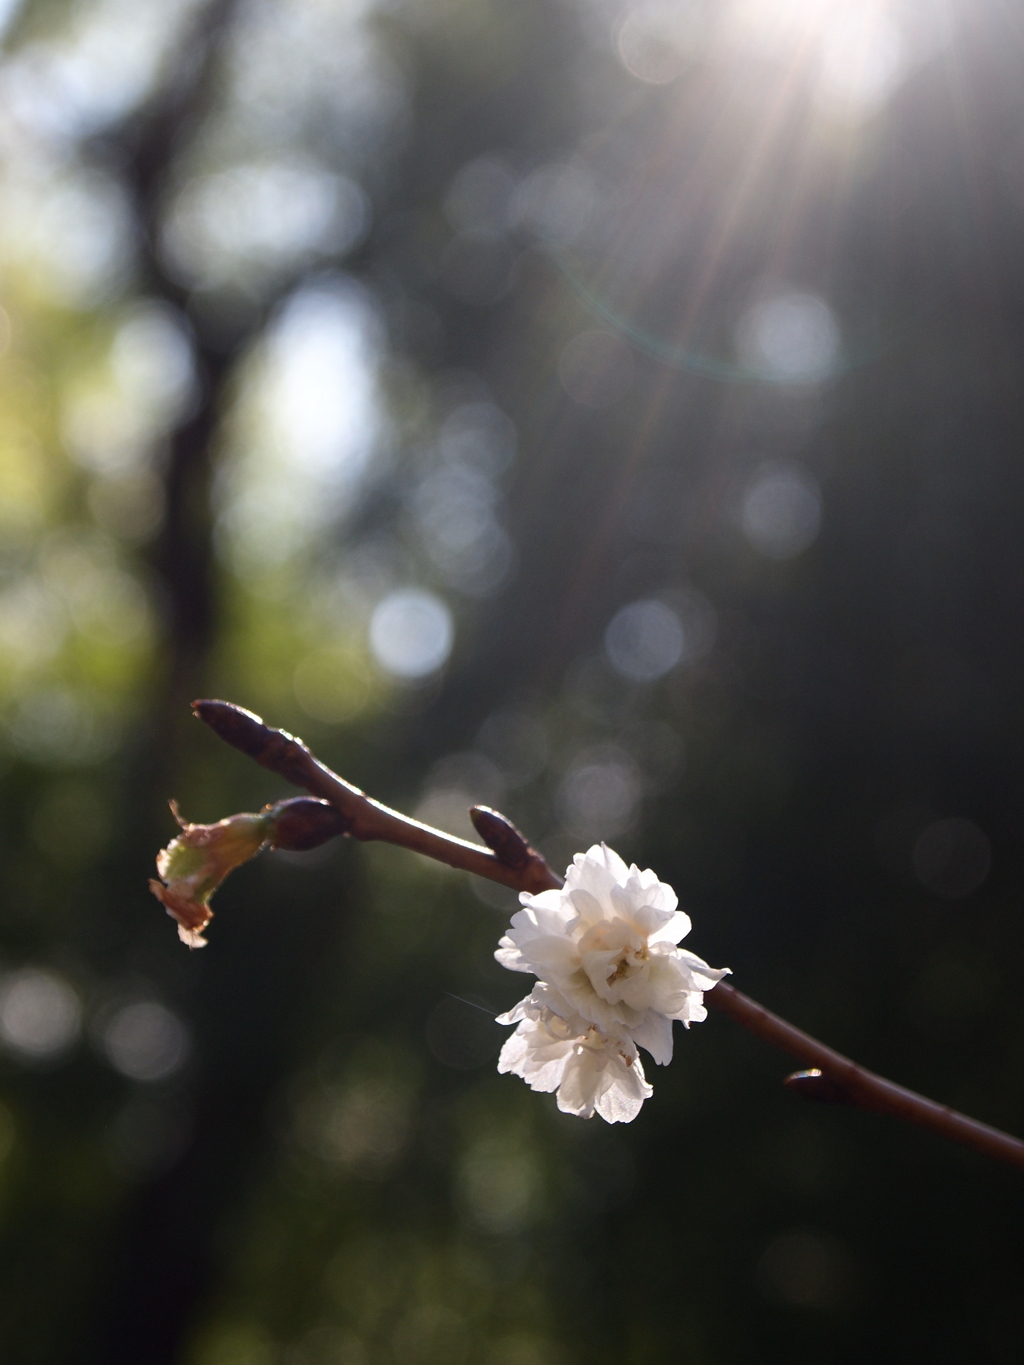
{"points": [[662, 985], [588, 1005], [657, 893], [509, 956], [534, 1055], [676, 927], [516, 1013], [549, 956], [556, 919], [693, 1011], [545, 996], [513, 1054], [704, 976], [655, 1035], [611, 861], [623, 1099], [581, 1083], [541, 919], [596, 871], [587, 906], [543, 900]]}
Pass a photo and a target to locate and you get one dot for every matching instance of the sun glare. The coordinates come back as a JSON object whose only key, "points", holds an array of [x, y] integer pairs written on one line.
{"points": [[855, 51]]}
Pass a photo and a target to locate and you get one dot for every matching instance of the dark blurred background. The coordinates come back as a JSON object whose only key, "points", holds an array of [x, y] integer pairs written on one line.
{"points": [[608, 410]]}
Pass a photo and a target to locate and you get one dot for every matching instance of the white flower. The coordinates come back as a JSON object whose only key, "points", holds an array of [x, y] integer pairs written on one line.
{"points": [[593, 1072], [605, 944]]}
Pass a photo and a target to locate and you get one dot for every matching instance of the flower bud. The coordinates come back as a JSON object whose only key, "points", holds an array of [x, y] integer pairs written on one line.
{"points": [[194, 864], [305, 822]]}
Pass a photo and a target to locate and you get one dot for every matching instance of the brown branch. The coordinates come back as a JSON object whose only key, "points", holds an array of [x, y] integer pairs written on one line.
{"points": [[835, 1078], [509, 859]]}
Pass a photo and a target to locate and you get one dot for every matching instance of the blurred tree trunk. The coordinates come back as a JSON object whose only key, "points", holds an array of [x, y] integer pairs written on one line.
{"points": [[162, 1262]]}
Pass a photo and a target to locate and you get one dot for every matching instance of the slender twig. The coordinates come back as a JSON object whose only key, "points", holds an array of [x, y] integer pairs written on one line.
{"points": [[511, 860], [836, 1079]]}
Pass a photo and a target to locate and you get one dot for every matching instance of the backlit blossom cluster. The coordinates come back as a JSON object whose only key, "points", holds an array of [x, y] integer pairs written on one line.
{"points": [[612, 979]]}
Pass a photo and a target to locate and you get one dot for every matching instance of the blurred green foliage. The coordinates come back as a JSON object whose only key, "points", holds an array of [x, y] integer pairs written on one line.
{"points": [[607, 411]]}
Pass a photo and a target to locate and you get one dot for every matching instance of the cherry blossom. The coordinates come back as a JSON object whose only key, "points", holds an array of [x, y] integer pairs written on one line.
{"points": [[612, 979], [593, 1072]]}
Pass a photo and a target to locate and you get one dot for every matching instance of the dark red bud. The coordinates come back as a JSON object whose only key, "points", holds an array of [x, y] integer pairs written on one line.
{"points": [[243, 729], [274, 749], [304, 822], [500, 834]]}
